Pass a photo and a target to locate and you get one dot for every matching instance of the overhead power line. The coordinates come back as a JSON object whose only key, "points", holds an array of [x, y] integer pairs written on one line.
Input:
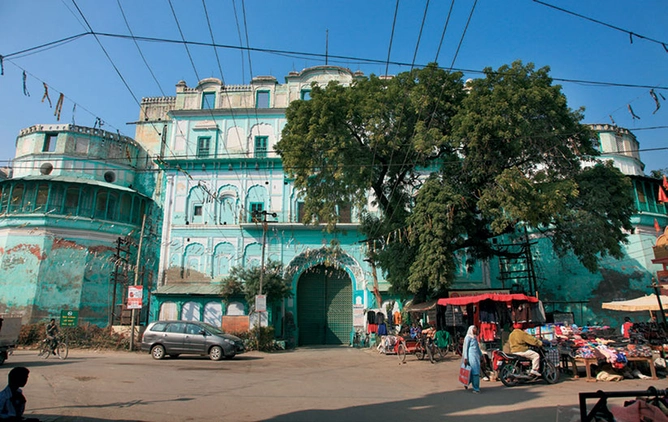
{"points": [[631, 34], [346, 59]]}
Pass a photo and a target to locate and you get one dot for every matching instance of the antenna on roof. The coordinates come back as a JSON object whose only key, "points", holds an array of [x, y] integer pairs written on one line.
{"points": [[326, 46]]}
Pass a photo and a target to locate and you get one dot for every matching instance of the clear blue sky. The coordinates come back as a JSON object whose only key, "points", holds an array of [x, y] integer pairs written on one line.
{"points": [[499, 32]]}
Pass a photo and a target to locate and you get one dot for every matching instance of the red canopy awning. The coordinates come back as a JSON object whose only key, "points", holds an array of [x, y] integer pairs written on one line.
{"points": [[465, 300]]}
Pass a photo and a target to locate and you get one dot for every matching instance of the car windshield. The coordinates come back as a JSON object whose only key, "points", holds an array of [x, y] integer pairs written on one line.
{"points": [[212, 329]]}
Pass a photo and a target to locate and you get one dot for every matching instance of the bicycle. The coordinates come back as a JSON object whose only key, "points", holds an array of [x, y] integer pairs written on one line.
{"points": [[454, 344], [361, 339], [417, 346], [61, 350]]}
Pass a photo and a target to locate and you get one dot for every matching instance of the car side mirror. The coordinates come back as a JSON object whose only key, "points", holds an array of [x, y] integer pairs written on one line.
{"points": [[202, 332]]}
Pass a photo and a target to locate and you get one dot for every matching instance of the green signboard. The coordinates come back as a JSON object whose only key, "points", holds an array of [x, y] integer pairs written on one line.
{"points": [[69, 318]]}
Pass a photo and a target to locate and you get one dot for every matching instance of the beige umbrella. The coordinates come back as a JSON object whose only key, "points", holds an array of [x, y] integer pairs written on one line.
{"points": [[645, 303]]}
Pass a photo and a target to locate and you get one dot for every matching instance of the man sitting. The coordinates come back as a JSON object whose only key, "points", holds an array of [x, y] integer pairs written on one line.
{"points": [[520, 341]]}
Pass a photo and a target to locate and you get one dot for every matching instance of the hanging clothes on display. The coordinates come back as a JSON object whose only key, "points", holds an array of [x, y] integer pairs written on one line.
{"points": [[372, 327]]}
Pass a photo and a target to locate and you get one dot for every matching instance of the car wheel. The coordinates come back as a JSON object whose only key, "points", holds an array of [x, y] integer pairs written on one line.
{"points": [[158, 351], [216, 353]]}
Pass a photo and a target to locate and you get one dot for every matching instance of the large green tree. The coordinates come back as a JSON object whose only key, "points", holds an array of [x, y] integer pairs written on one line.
{"points": [[246, 282], [451, 166]]}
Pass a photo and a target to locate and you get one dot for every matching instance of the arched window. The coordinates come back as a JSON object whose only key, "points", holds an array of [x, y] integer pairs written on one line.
{"points": [[29, 197], [190, 311], [71, 200], [194, 260], [235, 308], [86, 201], [112, 206], [227, 213], [42, 198], [4, 202], [126, 208], [256, 200], [222, 257], [17, 198], [101, 204], [213, 313], [56, 199], [196, 205], [168, 311]]}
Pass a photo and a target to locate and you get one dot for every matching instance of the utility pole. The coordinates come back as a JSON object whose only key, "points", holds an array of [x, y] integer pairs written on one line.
{"points": [[256, 215], [141, 239], [256, 218], [118, 262]]}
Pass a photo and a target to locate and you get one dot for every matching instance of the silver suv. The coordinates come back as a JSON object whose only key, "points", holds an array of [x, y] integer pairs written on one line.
{"points": [[174, 338]]}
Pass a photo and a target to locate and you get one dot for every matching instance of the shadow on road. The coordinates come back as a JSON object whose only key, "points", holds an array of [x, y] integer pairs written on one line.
{"points": [[460, 405], [114, 405]]}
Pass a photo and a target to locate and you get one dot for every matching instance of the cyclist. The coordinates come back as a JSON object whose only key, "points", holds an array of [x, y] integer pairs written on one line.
{"points": [[52, 332]]}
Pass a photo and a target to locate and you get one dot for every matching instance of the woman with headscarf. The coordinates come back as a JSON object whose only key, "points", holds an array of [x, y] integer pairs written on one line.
{"points": [[471, 355]]}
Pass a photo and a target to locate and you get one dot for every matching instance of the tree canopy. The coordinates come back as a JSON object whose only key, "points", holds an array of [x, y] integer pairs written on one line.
{"points": [[246, 282], [452, 165]]}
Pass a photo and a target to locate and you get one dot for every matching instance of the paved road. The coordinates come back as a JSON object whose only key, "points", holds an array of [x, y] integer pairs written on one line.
{"points": [[309, 384]]}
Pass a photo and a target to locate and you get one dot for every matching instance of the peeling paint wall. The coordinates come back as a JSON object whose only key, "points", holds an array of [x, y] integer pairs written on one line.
{"points": [[42, 275]]}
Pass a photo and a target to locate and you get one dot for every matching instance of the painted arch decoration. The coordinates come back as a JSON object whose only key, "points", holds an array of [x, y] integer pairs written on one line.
{"points": [[327, 256]]}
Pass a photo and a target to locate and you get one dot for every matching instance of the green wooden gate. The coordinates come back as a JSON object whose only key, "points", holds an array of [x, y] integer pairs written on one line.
{"points": [[324, 306]]}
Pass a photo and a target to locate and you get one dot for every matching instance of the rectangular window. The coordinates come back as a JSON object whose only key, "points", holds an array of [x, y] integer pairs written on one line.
{"points": [[50, 142], [641, 194], [300, 212], [261, 146], [256, 209], [203, 147], [208, 100], [197, 210], [262, 99], [345, 214], [306, 94]]}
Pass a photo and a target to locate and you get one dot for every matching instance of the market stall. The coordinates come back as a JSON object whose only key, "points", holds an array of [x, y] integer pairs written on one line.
{"points": [[604, 347], [494, 313]]}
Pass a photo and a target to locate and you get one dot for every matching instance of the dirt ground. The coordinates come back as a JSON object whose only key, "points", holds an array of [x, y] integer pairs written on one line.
{"points": [[308, 384]]}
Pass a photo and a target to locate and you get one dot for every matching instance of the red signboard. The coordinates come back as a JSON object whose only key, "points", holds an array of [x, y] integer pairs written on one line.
{"points": [[135, 294]]}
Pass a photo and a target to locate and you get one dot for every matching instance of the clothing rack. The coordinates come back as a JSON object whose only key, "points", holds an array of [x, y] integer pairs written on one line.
{"points": [[602, 396]]}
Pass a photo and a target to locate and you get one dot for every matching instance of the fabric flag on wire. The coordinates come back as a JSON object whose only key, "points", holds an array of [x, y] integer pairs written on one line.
{"points": [[656, 226], [665, 182], [662, 195]]}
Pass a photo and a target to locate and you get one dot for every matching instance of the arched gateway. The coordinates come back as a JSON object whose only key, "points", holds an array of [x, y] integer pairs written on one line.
{"points": [[324, 306]]}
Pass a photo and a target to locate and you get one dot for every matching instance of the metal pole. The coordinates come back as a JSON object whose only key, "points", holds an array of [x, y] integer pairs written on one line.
{"points": [[655, 285], [132, 324], [113, 297], [264, 241]]}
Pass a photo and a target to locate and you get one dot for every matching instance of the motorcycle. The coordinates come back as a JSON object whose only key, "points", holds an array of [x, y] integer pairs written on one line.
{"points": [[515, 369]]}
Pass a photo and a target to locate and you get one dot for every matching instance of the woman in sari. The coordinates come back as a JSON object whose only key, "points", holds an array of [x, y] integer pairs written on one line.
{"points": [[471, 355]]}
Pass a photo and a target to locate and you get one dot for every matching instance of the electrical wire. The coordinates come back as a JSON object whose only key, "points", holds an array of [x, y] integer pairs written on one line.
{"points": [[445, 27], [461, 40], [417, 44], [616, 28], [351, 59], [389, 48], [127, 24]]}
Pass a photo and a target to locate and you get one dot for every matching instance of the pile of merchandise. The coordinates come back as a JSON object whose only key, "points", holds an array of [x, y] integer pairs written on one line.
{"points": [[602, 343]]}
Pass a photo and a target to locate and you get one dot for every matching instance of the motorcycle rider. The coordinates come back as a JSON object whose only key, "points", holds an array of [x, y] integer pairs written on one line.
{"points": [[520, 341]]}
